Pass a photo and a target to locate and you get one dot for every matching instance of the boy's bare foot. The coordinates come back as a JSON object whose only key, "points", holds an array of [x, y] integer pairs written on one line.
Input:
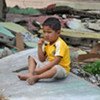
{"points": [[24, 77], [32, 80]]}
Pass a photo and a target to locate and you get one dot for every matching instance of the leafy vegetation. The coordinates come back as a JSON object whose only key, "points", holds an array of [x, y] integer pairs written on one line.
{"points": [[29, 11], [92, 68]]}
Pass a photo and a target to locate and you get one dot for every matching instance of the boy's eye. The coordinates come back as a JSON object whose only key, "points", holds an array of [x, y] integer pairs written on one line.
{"points": [[48, 32]]}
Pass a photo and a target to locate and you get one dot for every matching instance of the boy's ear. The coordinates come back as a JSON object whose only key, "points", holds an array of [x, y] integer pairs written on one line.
{"points": [[58, 31]]}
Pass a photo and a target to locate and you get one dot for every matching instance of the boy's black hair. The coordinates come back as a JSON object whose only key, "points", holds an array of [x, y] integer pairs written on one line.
{"points": [[53, 23]]}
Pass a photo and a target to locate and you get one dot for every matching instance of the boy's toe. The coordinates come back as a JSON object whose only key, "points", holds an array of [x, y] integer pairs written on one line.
{"points": [[32, 80], [22, 77]]}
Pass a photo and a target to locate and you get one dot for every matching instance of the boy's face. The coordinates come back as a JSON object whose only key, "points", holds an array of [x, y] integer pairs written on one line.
{"points": [[50, 35]]}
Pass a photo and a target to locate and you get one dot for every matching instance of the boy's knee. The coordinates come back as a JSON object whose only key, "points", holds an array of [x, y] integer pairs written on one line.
{"points": [[29, 57], [54, 69], [61, 72]]}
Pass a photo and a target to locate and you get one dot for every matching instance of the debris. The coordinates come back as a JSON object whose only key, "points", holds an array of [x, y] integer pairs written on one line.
{"points": [[88, 57], [69, 11], [5, 52], [74, 24], [14, 27], [92, 79], [6, 36], [75, 37], [81, 33], [3, 9], [19, 42], [2, 97], [93, 26], [96, 49]]}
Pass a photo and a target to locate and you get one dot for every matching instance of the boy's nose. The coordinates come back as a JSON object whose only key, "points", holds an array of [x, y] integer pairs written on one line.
{"points": [[46, 34]]}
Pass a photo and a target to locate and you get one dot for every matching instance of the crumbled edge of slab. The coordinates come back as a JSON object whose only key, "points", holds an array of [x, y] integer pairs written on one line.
{"points": [[2, 97]]}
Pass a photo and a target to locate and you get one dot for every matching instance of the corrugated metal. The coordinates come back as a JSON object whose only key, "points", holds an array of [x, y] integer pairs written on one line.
{"points": [[14, 27], [6, 32]]}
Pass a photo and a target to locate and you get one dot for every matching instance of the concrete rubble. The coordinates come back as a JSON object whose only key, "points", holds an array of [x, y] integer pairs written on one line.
{"points": [[18, 39]]}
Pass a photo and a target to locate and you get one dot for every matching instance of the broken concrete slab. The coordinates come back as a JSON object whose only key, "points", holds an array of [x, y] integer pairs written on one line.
{"points": [[80, 34], [72, 88], [93, 26]]}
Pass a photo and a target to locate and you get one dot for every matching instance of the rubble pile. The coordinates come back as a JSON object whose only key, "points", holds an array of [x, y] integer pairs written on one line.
{"points": [[87, 65], [80, 30]]}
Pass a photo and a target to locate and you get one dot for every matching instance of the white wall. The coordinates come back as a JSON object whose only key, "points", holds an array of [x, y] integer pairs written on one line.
{"points": [[31, 3], [82, 4]]}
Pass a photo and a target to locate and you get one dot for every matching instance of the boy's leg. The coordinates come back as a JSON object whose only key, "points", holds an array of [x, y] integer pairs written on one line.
{"points": [[31, 68], [57, 72], [31, 65], [47, 74]]}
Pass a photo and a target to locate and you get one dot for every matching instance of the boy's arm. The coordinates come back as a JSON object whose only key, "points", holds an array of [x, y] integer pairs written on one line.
{"points": [[49, 65], [41, 54]]}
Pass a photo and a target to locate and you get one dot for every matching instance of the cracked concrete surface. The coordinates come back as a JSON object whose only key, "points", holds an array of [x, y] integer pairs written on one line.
{"points": [[71, 88]]}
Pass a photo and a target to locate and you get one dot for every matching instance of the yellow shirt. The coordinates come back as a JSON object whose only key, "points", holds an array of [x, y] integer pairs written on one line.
{"points": [[59, 48]]}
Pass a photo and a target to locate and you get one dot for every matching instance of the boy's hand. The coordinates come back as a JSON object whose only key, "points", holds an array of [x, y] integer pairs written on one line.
{"points": [[40, 42]]}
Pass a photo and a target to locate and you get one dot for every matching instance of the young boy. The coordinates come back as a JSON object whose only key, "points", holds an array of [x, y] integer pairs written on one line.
{"points": [[53, 58]]}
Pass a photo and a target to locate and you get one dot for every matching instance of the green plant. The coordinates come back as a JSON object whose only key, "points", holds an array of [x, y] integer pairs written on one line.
{"points": [[92, 68]]}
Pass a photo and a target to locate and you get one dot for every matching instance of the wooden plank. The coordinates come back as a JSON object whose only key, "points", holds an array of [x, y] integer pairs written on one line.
{"points": [[83, 57], [19, 42]]}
